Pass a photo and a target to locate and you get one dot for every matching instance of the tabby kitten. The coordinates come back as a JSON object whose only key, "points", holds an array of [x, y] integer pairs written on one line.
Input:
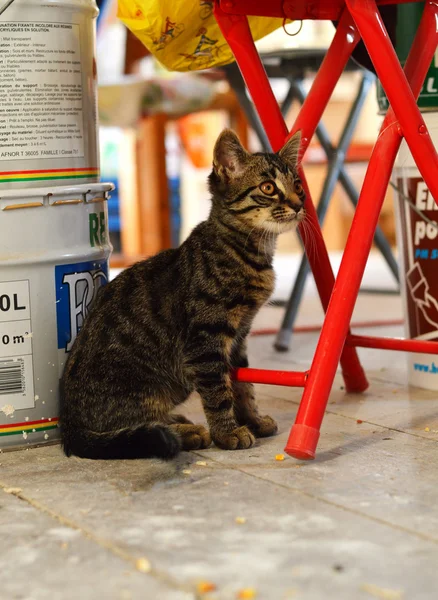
{"points": [[178, 322]]}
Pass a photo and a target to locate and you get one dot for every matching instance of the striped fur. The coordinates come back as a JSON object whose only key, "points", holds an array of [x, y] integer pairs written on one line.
{"points": [[178, 322]]}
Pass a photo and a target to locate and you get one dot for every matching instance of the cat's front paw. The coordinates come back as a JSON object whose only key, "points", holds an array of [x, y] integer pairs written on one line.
{"points": [[239, 439], [264, 427]]}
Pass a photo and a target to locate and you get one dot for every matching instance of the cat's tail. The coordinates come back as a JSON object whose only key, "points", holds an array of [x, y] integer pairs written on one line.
{"points": [[146, 441]]}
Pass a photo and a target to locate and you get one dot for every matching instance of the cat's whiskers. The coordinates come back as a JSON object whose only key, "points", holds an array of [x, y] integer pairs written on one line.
{"points": [[250, 232], [316, 232], [311, 238], [306, 236], [270, 238], [262, 235], [313, 226], [311, 230], [274, 236]]}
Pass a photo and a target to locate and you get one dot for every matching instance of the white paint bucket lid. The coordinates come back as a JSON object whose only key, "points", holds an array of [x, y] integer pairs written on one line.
{"points": [[83, 188], [33, 197]]}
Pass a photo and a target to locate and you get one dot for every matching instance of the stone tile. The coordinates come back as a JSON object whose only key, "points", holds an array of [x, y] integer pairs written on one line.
{"points": [[185, 522], [362, 467], [42, 557]]}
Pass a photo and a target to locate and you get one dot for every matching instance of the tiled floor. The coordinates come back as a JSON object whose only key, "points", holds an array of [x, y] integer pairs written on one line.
{"points": [[360, 522]]}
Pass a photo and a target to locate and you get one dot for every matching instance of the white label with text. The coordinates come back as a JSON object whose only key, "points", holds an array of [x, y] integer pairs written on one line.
{"points": [[16, 364], [41, 111]]}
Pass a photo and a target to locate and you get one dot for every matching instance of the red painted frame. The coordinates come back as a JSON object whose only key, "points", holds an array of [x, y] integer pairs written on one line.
{"points": [[330, 10], [358, 19]]}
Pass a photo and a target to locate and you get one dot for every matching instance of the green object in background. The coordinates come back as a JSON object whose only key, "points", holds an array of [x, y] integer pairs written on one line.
{"points": [[408, 19]]}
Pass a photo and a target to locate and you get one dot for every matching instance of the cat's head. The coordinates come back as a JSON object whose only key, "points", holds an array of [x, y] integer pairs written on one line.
{"points": [[262, 190]]}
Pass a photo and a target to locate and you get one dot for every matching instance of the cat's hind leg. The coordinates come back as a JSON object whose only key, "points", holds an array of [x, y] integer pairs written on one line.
{"points": [[130, 428], [193, 437], [149, 440], [175, 418]]}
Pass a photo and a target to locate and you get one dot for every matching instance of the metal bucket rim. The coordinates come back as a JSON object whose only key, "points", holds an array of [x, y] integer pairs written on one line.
{"points": [[83, 188]]}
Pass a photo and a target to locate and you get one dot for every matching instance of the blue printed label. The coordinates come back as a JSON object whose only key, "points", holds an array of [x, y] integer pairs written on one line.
{"points": [[77, 286]]}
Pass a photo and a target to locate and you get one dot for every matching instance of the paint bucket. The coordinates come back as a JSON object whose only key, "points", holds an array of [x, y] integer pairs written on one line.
{"points": [[54, 253], [48, 126], [417, 233]]}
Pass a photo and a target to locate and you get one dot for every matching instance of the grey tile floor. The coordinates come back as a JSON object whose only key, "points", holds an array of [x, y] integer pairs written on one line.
{"points": [[360, 522]]}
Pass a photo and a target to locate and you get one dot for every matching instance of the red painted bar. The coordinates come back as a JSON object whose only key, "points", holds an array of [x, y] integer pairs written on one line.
{"points": [[296, 9], [271, 377], [420, 346], [401, 97], [304, 435], [318, 382]]}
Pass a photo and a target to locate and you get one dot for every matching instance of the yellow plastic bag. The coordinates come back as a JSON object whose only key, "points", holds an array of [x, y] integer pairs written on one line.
{"points": [[183, 34]]}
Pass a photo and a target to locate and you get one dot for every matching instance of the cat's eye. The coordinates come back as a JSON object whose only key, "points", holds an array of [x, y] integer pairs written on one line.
{"points": [[298, 187], [268, 188]]}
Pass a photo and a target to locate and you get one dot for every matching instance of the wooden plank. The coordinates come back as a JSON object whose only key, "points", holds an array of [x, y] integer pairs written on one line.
{"points": [[129, 206], [153, 193]]}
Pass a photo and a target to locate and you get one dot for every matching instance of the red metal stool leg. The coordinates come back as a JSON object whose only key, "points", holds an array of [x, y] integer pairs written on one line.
{"points": [[305, 433], [237, 32], [389, 71], [344, 42]]}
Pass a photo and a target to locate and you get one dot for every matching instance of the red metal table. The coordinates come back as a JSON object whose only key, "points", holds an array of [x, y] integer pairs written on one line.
{"points": [[358, 19]]}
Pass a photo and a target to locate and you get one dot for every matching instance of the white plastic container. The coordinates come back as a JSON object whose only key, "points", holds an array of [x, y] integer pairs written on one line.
{"points": [[48, 131], [418, 243], [54, 252]]}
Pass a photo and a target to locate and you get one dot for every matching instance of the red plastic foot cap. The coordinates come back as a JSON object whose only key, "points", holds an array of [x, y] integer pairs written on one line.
{"points": [[302, 442]]}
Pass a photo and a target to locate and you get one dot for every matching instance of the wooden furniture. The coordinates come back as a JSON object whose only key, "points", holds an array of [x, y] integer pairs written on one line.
{"points": [[145, 211]]}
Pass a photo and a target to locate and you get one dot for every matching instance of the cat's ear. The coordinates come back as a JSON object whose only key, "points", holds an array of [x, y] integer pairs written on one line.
{"points": [[290, 153], [229, 156]]}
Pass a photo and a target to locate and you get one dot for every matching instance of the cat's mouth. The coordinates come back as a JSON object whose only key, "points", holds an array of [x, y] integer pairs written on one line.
{"points": [[287, 219], [290, 218], [282, 224]]}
